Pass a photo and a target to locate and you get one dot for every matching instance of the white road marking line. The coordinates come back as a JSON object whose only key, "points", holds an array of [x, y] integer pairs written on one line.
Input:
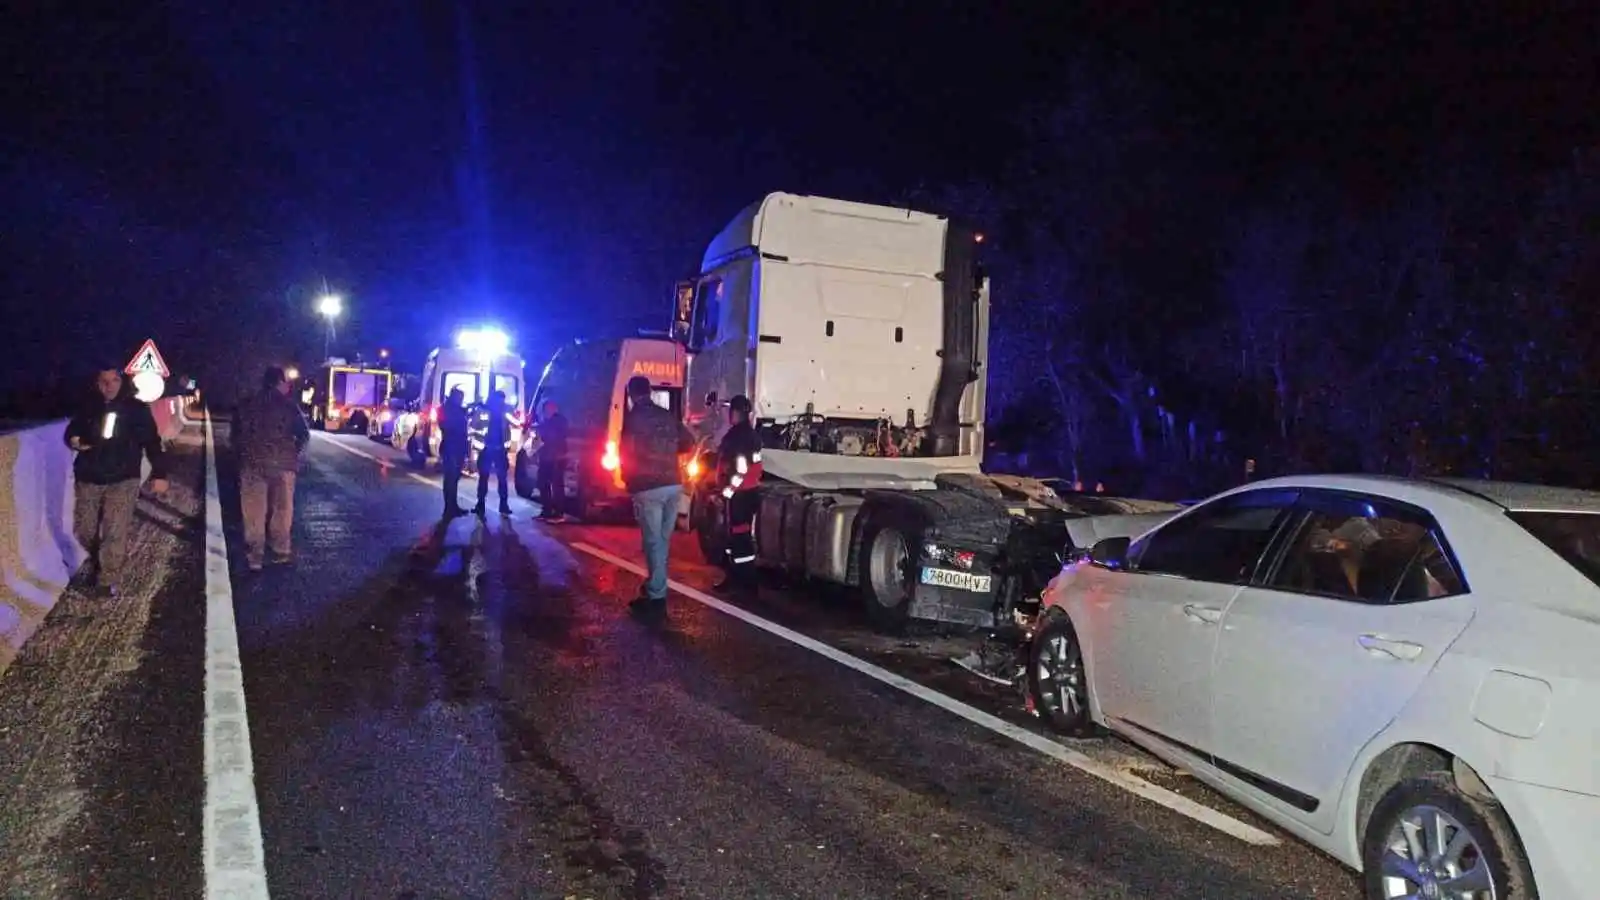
{"points": [[235, 865], [386, 463], [1119, 777], [1131, 783]]}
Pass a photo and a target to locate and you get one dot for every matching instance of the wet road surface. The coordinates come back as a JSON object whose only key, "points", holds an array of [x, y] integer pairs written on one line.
{"points": [[468, 711]]}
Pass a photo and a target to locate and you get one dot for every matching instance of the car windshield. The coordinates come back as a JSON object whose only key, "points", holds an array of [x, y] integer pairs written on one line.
{"points": [[1575, 537]]}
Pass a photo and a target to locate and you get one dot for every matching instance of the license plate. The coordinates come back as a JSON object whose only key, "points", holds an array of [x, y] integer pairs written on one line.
{"points": [[961, 581]]}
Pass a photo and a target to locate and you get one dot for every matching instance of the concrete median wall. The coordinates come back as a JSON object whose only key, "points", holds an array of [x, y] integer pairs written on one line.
{"points": [[37, 550]]}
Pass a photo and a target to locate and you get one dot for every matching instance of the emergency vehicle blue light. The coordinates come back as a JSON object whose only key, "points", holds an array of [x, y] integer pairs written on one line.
{"points": [[484, 342]]}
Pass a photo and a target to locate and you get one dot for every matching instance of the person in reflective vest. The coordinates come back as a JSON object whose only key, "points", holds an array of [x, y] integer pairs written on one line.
{"points": [[738, 476]]}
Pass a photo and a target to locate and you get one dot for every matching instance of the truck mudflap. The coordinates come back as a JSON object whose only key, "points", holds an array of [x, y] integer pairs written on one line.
{"points": [[953, 572]]}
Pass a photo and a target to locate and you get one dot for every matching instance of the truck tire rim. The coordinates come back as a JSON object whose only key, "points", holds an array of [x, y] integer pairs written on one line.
{"points": [[1061, 676], [887, 568], [1430, 855]]}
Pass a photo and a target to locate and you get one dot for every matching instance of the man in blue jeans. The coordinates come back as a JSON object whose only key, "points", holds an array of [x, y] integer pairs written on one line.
{"points": [[653, 440]]}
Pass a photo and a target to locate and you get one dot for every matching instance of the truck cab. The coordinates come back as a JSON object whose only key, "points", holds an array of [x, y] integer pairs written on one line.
{"points": [[857, 331], [347, 397]]}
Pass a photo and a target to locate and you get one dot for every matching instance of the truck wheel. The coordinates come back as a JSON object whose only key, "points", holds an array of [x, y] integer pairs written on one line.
{"points": [[524, 481], [415, 451], [887, 566], [1058, 686]]}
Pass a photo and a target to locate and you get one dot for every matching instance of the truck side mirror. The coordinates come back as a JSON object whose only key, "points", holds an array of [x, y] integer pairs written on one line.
{"points": [[1111, 553]]}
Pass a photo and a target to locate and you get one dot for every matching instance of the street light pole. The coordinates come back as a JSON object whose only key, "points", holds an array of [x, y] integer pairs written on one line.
{"points": [[329, 307]]}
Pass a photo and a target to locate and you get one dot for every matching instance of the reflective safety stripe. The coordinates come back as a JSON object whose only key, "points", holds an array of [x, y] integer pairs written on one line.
{"points": [[744, 559], [727, 492], [756, 456], [736, 480], [742, 465]]}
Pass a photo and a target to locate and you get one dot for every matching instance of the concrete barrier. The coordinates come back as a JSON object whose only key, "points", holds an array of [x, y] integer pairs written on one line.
{"points": [[37, 550]]}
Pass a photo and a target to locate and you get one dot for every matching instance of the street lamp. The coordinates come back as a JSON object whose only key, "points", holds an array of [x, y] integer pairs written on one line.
{"points": [[330, 307]]}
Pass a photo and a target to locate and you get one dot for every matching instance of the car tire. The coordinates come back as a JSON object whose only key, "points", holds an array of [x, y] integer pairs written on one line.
{"points": [[1058, 682], [886, 565], [524, 482], [1492, 844]]}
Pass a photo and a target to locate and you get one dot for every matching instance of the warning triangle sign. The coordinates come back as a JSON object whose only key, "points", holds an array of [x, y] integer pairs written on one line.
{"points": [[148, 359]]}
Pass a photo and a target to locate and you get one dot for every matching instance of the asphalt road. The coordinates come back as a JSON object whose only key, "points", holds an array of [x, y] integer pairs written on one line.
{"points": [[467, 711]]}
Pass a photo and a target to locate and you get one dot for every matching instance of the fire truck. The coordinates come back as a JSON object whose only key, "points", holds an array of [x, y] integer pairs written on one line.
{"points": [[346, 396]]}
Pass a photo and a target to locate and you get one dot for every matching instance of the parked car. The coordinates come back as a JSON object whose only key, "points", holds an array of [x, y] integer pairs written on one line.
{"points": [[1402, 673], [381, 426]]}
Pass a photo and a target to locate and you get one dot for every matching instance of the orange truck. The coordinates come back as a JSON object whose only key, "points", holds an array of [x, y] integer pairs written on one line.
{"points": [[346, 397]]}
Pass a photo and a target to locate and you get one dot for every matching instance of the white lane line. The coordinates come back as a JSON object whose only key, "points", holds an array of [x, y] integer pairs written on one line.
{"points": [[386, 463], [1128, 782], [235, 863]]}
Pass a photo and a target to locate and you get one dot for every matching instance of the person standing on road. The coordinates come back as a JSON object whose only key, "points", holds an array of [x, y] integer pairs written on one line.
{"points": [[653, 440], [552, 463], [738, 476], [495, 454], [453, 448], [110, 435], [268, 437]]}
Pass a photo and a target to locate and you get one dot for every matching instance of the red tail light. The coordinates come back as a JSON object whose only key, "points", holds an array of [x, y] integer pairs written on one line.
{"points": [[610, 461]]}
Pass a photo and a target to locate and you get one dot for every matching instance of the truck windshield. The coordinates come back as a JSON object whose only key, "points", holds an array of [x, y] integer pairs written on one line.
{"points": [[1575, 537]]}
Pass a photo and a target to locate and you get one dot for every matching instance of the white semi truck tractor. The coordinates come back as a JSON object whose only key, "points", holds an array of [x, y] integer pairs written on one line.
{"points": [[860, 334]]}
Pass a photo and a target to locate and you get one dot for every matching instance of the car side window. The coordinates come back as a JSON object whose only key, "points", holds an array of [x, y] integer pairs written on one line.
{"points": [[1221, 542], [1369, 553]]}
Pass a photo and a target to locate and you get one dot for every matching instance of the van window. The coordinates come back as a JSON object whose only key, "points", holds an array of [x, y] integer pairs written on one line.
{"points": [[466, 381], [512, 385]]}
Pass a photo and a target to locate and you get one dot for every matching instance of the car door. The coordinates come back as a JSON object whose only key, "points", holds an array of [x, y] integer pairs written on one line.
{"points": [[1157, 623], [1330, 644]]}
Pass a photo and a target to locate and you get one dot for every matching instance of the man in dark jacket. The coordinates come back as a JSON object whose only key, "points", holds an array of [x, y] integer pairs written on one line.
{"points": [[110, 435], [653, 440], [552, 463], [269, 433], [494, 459], [738, 476], [453, 448]]}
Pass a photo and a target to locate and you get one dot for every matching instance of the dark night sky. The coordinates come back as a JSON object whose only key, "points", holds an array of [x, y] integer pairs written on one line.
{"points": [[179, 168]]}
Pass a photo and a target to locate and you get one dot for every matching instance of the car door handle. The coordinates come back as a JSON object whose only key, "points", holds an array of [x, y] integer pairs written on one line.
{"points": [[1401, 650], [1207, 614]]}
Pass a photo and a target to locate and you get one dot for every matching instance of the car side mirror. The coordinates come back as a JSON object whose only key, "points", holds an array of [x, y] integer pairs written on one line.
{"points": [[1111, 553]]}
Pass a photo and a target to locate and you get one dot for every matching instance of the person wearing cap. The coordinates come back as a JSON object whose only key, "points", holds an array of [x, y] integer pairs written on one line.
{"points": [[738, 476], [110, 435], [653, 440], [269, 434], [454, 445]]}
